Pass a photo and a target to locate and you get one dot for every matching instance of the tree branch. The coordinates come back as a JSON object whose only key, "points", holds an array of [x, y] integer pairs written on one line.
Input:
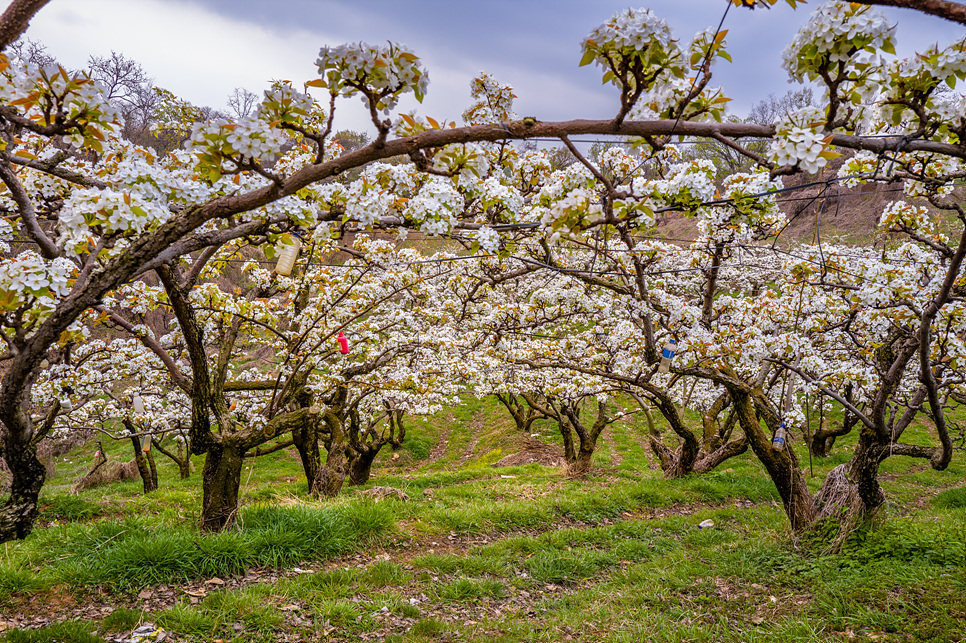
{"points": [[952, 11], [16, 18]]}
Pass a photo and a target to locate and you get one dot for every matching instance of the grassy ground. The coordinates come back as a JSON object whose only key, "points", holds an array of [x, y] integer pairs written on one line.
{"points": [[486, 554]]}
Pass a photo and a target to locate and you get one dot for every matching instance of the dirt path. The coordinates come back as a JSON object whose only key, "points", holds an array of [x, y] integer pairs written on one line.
{"points": [[476, 427], [440, 449]]}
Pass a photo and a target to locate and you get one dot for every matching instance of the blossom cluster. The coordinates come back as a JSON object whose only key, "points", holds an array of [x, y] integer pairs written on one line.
{"points": [[634, 39], [50, 94], [487, 238], [835, 33], [686, 184], [108, 211], [30, 276], [220, 140], [498, 201], [578, 209], [493, 101], [384, 72], [435, 207], [285, 104], [802, 144]]}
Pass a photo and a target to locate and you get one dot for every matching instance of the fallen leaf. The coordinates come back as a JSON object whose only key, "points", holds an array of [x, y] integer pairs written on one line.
{"points": [[215, 581]]}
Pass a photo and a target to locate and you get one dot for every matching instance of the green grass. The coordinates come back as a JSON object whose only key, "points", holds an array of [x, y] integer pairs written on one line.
{"points": [[500, 555], [133, 552], [68, 632]]}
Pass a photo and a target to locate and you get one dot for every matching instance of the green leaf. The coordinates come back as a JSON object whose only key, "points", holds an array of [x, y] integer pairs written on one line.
{"points": [[587, 58]]}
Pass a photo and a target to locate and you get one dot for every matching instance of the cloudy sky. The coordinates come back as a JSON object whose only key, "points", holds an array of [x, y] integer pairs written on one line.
{"points": [[202, 49]]}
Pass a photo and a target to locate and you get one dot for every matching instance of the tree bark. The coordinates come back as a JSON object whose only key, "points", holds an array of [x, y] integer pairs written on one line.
{"points": [[149, 482], [581, 464], [570, 454], [306, 440], [331, 477], [20, 511], [360, 466], [152, 465], [952, 11], [221, 478], [184, 467]]}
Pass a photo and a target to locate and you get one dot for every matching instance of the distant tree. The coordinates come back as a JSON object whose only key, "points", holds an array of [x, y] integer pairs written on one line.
{"points": [[561, 157], [121, 78], [772, 110], [31, 52], [350, 140], [129, 88], [242, 102]]}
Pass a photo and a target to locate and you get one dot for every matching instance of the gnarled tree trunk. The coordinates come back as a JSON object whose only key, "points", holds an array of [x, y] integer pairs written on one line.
{"points": [[587, 436], [306, 440], [332, 475], [145, 462], [567, 434], [360, 466], [822, 440], [781, 464], [149, 481], [221, 478], [27, 473]]}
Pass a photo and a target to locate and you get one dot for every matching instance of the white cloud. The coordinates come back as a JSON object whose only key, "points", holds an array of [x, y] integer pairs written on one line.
{"points": [[195, 53]]}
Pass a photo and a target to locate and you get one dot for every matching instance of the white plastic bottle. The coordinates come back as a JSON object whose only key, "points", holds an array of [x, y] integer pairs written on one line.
{"points": [[286, 259], [666, 356], [779, 440]]}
